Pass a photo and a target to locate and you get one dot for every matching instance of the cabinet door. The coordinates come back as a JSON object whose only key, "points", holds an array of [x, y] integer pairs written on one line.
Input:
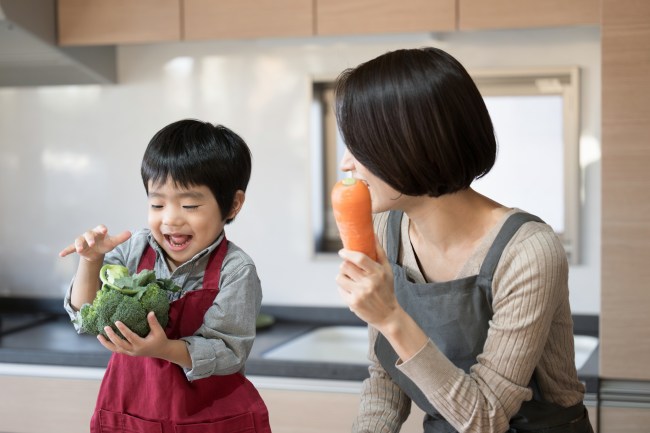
{"points": [[624, 321], [342, 17], [112, 22], [508, 14], [233, 19], [624, 419], [43, 404], [298, 411]]}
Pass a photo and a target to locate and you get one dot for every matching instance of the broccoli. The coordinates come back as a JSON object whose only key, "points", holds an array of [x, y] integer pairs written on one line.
{"points": [[127, 298], [155, 299]]}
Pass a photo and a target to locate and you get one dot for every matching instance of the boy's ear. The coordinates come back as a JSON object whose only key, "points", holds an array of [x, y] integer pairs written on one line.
{"points": [[237, 203]]}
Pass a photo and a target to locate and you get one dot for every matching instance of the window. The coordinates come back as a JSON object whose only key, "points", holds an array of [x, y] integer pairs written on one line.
{"points": [[536, 118]]}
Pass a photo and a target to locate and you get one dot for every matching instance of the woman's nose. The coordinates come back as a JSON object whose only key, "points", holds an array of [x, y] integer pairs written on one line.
{"points": [[347, 161]]}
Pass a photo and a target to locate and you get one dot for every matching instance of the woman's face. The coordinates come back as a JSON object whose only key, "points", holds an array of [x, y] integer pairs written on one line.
{"points": [[383, 196]]}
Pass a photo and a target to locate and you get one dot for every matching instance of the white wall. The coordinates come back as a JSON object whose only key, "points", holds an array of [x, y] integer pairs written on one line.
{"points": [[69, 156]]}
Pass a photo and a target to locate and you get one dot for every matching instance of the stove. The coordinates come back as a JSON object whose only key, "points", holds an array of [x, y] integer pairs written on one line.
{"points": [[18, 314]]}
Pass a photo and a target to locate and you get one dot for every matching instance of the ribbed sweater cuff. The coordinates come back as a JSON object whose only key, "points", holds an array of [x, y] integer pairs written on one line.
{"points": [[429, 365]]}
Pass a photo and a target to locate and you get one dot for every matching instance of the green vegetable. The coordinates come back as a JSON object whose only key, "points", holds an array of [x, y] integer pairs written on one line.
{"points": [[127, 298]]}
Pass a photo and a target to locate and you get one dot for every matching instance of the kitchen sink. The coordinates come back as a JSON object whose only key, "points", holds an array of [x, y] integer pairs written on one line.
{"points": [[338, 344], [584, 346], [349, 345]]}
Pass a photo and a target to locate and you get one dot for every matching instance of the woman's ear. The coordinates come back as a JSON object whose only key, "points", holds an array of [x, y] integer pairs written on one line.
{"points": [[237, 203]]}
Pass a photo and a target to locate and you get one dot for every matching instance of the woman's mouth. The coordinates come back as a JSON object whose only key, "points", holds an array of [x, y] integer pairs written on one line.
{"points": [[178, 242]]}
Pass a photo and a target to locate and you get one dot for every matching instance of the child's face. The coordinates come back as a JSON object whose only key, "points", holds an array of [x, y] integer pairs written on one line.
{"points": [[183, 221]]}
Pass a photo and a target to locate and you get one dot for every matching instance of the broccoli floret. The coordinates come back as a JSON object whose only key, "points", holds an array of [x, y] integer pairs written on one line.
{"points": [[155, 299], [127, 299], [88, 319], [105, 305], [133, 315]]}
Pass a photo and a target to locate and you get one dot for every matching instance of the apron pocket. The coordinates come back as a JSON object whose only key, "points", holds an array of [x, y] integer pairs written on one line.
{"points": [[243, 423], [115, 422]]}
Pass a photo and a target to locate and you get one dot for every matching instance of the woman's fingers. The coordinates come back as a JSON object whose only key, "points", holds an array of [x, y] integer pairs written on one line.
{"points": [[381, 253], [351, 270]]}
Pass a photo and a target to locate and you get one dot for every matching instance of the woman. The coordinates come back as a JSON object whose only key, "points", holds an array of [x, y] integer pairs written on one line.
{"points": [[467, 304]]}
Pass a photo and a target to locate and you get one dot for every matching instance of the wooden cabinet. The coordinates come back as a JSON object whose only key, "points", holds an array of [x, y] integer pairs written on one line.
{"points": [[624, 419], [300, 411], [109, 22], [347, 17], [43, 404], [231, 19], [625, 273], [508, 14]]}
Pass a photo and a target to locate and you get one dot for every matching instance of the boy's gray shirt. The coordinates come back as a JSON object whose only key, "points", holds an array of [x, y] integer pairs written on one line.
{"points": [[224, 340]]}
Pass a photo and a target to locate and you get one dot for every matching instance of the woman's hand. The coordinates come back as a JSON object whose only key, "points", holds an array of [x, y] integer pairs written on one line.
{"points": [[367, 287], [95, 243], [155, 344]]}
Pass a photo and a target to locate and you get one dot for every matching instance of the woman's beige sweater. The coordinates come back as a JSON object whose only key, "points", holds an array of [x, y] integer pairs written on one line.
{"points": [[531, 330]]}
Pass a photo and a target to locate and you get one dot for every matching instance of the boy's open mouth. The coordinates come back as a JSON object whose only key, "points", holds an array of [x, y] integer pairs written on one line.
{"points": [[178, 242]]}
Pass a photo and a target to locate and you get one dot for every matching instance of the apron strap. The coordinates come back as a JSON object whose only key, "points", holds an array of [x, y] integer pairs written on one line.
{"points": [[507, 231], [510, 227], [147, 259], [393, 235], [213, 268]]}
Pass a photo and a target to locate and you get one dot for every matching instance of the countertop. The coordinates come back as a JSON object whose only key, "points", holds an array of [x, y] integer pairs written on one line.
{"points": [[46, 337]]}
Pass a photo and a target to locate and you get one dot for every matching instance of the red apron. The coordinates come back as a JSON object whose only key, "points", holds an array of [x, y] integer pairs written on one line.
{"points": [[150, 395]]}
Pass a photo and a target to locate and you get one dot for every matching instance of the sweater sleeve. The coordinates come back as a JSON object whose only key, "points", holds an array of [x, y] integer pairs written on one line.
{"points": [[528, 286], [384, 406]]}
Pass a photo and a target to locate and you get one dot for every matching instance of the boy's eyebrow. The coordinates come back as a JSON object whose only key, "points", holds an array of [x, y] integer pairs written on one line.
{"points": [[190, 194], [183, 194]]}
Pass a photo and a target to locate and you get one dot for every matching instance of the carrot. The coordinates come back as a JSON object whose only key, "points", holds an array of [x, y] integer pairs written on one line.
{"points": [[353, 215]]}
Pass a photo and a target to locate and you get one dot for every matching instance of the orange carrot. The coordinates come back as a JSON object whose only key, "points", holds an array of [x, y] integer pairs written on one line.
{"points": [[353, 215]]}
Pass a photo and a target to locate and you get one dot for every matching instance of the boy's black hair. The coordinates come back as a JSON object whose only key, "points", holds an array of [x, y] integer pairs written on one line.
{"points": [[193, 153], [416, 120]]}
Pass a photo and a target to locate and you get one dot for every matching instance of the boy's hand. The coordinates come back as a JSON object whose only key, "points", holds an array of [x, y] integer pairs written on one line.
{"points": [[93, 244], [155, 344]]}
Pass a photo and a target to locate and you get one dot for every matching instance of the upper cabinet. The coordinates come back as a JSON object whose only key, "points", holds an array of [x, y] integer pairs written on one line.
{"points": [[242, 19], [508, 14], [110, 22], [347, 17]]}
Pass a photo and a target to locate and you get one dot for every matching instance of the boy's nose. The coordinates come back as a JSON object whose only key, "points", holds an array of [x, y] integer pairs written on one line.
{"points": [[347, 161], [171, 217]]}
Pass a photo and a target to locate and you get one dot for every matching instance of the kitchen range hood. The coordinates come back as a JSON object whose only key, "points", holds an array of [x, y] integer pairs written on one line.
{"points": [[29, 55]]}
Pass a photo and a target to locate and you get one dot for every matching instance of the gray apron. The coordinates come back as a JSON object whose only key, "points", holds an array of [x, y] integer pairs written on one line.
{"points": [[455, 316]]}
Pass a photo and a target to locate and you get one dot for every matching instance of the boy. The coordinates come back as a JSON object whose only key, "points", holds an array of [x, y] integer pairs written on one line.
{"points": [[190, 373]]}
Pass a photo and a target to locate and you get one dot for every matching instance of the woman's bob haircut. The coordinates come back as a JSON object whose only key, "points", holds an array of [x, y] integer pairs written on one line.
{"points": [[416, 120]]}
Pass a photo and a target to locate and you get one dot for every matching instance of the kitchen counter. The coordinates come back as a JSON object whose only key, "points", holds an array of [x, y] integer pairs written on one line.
{"points": [[46, 337]]}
